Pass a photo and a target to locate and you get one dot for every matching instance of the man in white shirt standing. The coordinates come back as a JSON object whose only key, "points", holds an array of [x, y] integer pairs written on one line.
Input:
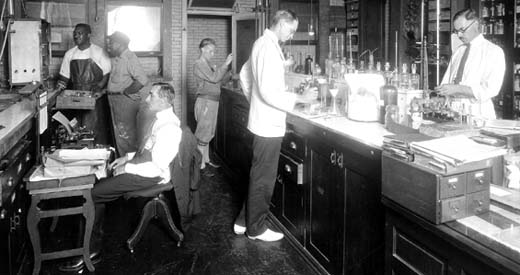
{"points": [[269, 104], [476, 70]]}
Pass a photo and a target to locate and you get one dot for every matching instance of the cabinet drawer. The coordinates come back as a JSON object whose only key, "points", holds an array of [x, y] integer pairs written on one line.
{"points": [[452, 186], [17, 166], [415, 256], [290, 169], [477, 203], [294, 145], [452, 209], [478, 180]]}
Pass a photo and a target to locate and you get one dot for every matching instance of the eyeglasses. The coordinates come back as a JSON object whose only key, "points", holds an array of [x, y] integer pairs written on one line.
{"points": [[463, 30], [291, 29]]}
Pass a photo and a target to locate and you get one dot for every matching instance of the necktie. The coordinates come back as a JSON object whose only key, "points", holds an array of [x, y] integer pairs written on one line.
{"points": [[462, 64]]}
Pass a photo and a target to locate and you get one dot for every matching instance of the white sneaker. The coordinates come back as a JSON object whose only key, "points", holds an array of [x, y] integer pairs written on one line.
{"points": [[268, 236], [239, 230]]}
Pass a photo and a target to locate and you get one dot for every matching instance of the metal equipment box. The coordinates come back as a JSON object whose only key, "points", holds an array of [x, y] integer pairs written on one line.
{"points": [[29, 51]]}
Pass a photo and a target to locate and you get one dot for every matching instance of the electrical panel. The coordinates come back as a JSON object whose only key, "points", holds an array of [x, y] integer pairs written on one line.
{"points": [[29, 51]]}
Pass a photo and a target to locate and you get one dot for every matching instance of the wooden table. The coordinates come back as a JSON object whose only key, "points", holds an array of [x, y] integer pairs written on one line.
{"points": [[40, 190]]}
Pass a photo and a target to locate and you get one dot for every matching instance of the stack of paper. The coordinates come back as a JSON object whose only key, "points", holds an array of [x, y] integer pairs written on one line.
{"points": [[74, 163], [399, 145], [455, 150]]}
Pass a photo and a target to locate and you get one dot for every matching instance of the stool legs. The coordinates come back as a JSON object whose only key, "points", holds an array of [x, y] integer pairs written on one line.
{"points": [[146, 215], [88, 213], [33, 218], [163, 213]]}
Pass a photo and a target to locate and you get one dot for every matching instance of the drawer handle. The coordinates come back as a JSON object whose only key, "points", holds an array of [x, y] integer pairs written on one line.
{"points": [[292, 145], [27, 157], [479, 181], [19, 168], [340, 160], [333, 157], [3, 214], [480, 203], [10, 182], [456, 209], [288, 169], [453, 186], [279, 179]]}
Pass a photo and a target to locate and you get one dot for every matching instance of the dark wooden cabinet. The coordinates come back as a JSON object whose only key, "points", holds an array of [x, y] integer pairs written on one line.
{"points": [[326, 205], [14, 202], [233, 141], [289, 192], [415, 246]]}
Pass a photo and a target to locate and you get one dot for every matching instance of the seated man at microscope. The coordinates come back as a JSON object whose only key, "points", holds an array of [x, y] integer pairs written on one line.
{"points": [[148, 166], [86, 67], [476, 69]]}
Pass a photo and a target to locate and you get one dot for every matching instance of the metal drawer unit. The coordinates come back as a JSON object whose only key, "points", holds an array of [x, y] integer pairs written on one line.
{"points": [[13, 167], [436, 197], [13, 206]]}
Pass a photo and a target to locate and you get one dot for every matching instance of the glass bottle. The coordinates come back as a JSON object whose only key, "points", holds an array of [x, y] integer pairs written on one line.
{"points": [[361, 68], [404, 81], [308, 64], [499, 26], [414, 78], [387, 96], [516, 85]]}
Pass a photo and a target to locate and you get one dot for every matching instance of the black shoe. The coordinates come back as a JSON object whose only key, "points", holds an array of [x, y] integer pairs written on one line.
{"points": [[77, 263], [207, 173]]}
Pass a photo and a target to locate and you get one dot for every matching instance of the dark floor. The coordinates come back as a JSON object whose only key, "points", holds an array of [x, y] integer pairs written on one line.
{"points": [[210, 246]]}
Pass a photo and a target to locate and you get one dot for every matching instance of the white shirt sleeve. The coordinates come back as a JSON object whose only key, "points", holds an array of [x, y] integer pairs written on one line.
{"points": [[489, 84], [65, 64], [246, 80], [167, 140]]}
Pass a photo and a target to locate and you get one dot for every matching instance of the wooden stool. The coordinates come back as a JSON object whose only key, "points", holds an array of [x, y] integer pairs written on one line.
{"points": [[53, 189]]}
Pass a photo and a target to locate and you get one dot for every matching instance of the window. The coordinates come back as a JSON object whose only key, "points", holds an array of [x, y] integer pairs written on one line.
{"points": [[141, 23]]}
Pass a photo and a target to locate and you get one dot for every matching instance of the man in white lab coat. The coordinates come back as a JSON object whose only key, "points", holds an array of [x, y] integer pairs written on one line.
{"points": [[269, 104], [476, 70]]}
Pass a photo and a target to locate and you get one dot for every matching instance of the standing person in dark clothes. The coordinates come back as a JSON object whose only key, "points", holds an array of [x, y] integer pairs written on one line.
{"points": [[125, 91], [208, 78], [86, 67]]}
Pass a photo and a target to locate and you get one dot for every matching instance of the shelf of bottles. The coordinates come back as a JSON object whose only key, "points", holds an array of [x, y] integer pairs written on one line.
{"points": [[493, 17], [438, 38], [352, 30], [499, 24]]}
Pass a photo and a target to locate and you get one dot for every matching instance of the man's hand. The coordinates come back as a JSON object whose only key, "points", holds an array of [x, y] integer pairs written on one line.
{"points": [[118, 162], [309, 95], [97, 91], [455, 90], [229, 59]]}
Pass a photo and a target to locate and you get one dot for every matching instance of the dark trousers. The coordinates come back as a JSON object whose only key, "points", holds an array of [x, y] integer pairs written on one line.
{"points": [[264, 167], [110, 189]]}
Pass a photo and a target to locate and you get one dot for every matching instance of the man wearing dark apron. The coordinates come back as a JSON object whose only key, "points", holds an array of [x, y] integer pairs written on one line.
{"points": [[86, 67], [125, 92]]}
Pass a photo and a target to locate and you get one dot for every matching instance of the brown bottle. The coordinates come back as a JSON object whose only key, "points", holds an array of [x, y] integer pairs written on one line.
{"points": [[387, 94]]}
